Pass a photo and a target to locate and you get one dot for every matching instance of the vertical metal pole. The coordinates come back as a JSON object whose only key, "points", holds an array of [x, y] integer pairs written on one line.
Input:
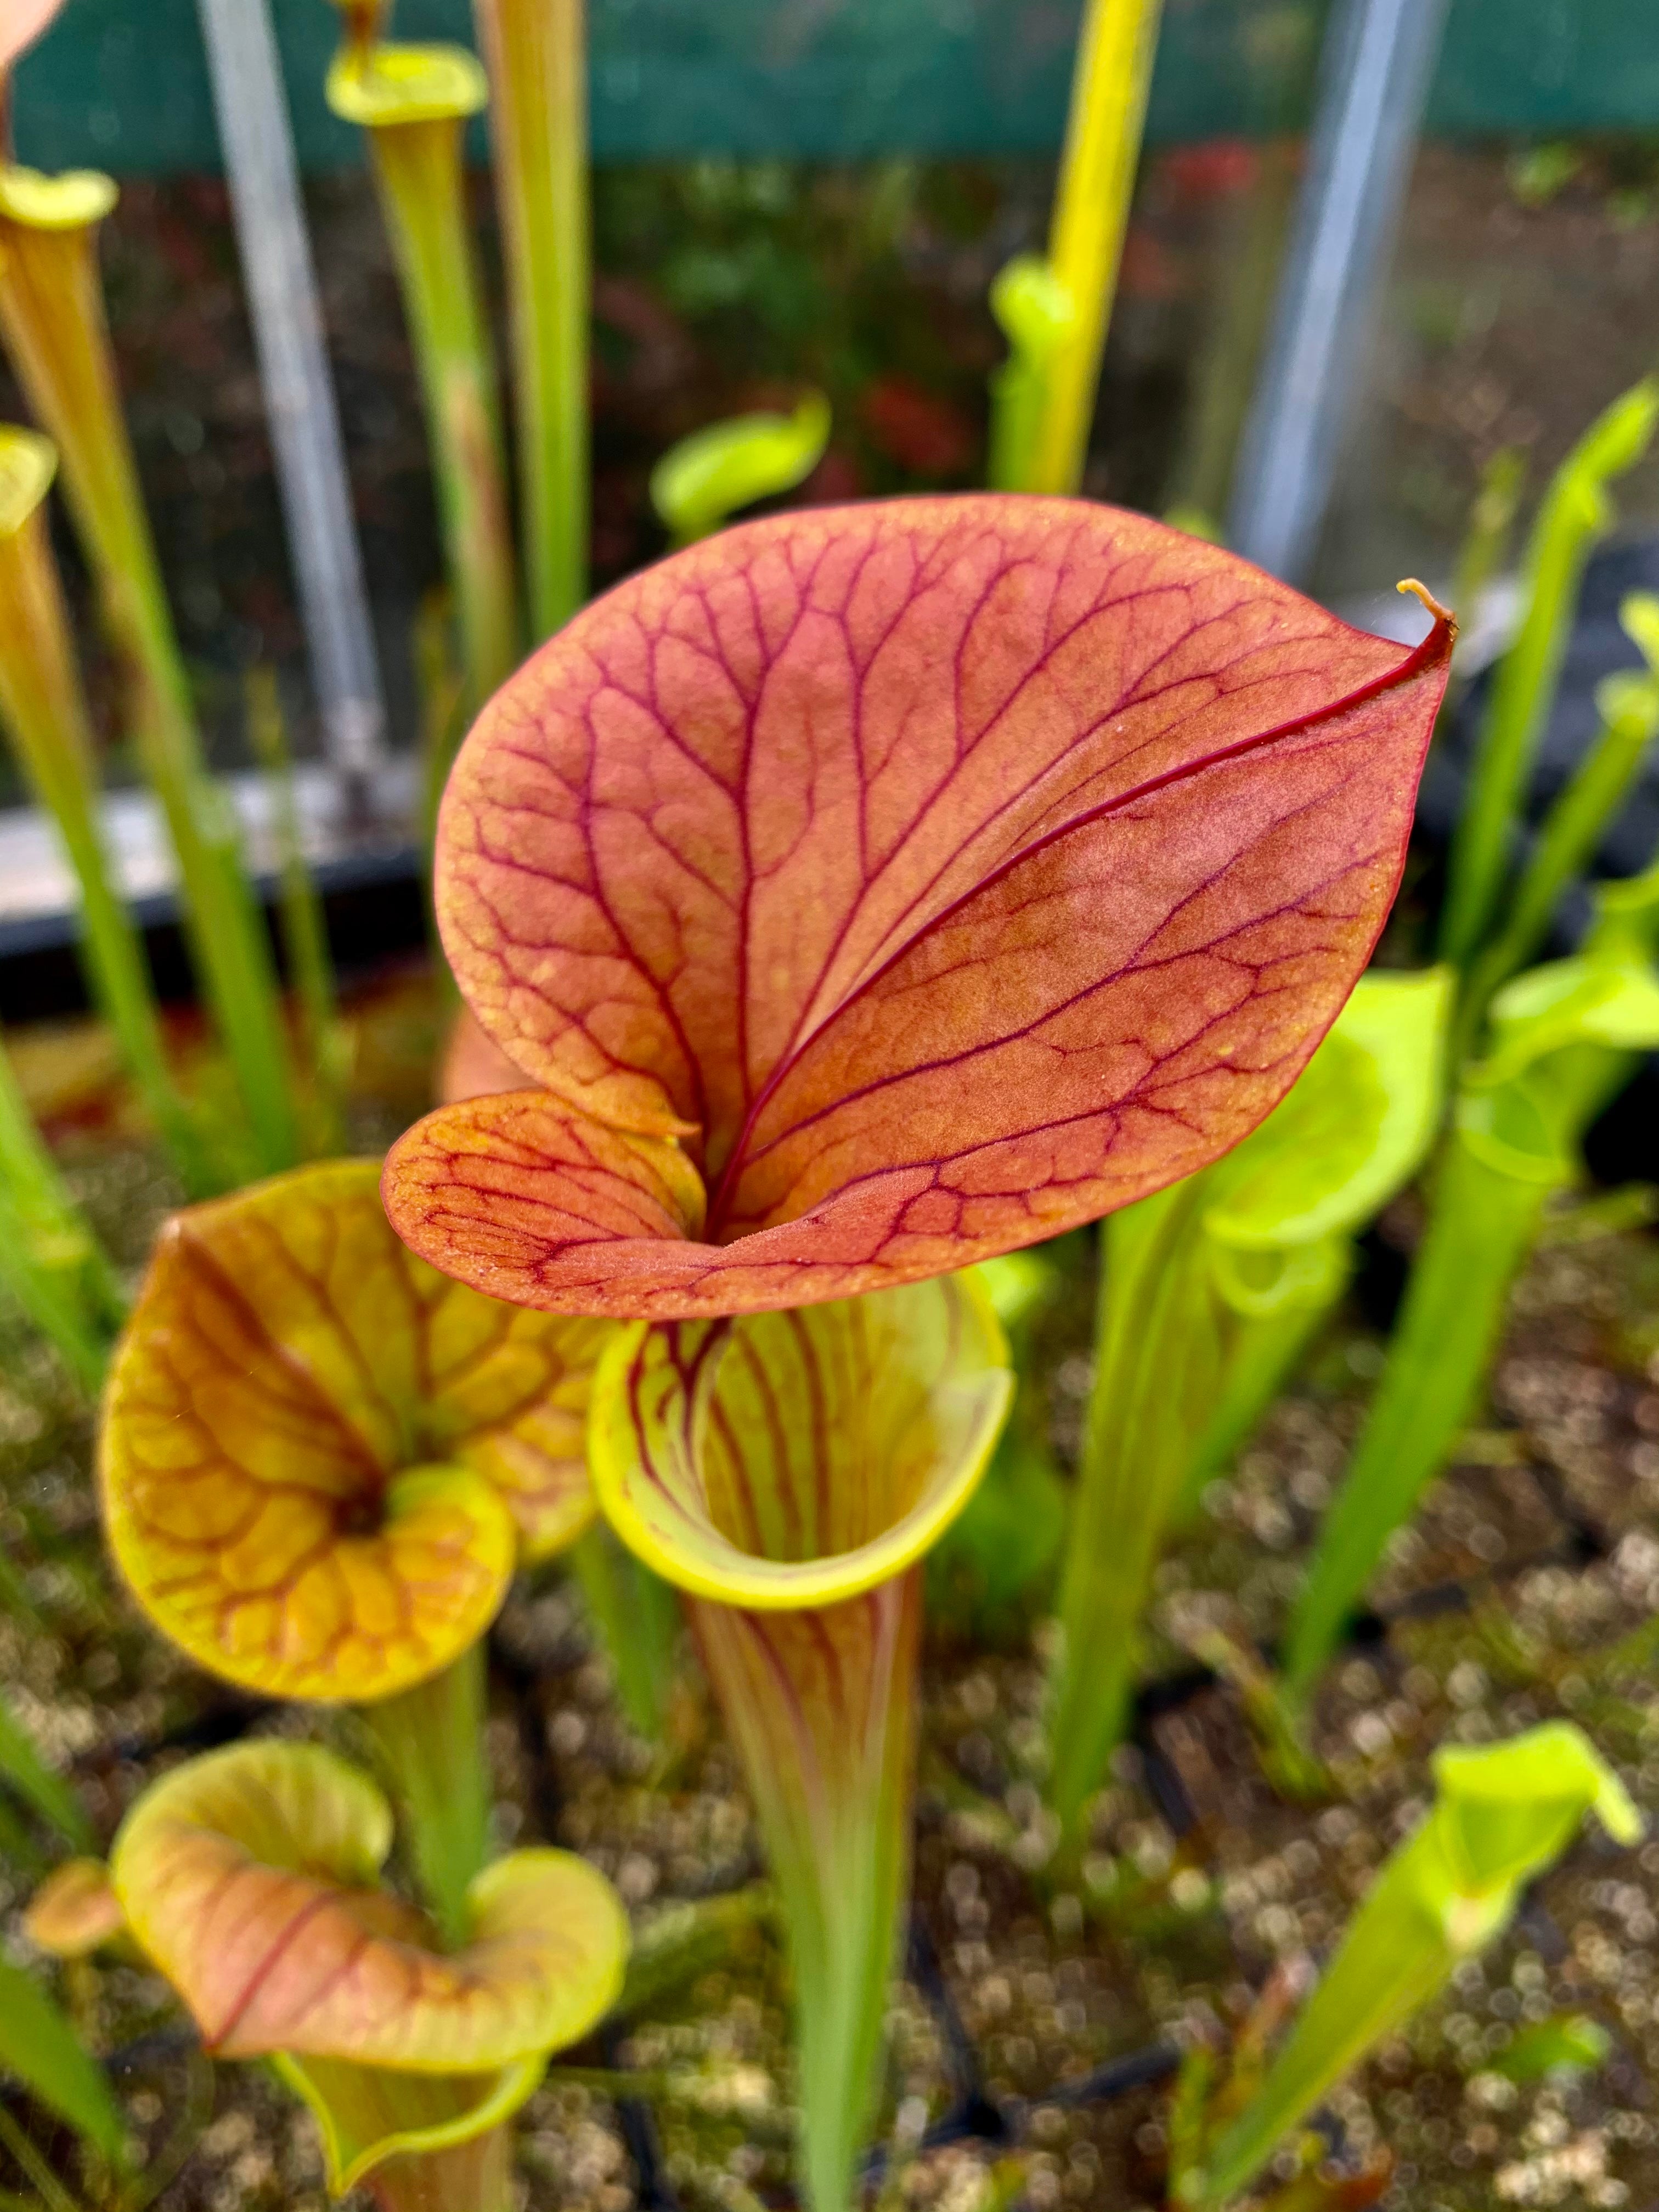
{"points": [[251, 103], [1373, 79]]}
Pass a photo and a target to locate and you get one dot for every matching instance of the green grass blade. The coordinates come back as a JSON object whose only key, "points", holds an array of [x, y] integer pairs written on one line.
{"points": [[50, 1259], [52, 1304], [41, 2049], [231, 953], [1575, 513], [23, 1770]]}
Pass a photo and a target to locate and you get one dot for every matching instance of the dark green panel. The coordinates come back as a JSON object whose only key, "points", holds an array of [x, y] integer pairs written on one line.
{"points": [[1546, 66], [123, 84]]}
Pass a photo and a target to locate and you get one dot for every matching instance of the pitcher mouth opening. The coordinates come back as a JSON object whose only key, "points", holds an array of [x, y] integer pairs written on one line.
{"points": [[778, 1461]]}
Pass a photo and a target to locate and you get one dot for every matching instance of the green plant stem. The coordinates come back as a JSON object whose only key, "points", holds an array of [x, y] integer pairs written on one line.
{"points": [[1481, 1225], [1393, 1959], [45, 710], [1492, 517], [422, 186], [1567, 843], [53, 2197], [821, 1705], [419, 168], [638, 1620], [1262, 1353], [50, 1259], [51, 314], [431, 1741], [1158, 1364], [536, 52], [300, 912], [38, 2047], [1575, 513], [1225, 371], [1109, 84]]}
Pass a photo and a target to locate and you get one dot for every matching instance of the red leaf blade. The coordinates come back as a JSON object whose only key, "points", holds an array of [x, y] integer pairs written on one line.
{"points": [[944, 873]]}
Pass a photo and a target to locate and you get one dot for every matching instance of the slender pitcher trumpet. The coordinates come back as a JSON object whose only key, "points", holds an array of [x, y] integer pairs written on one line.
{"points": [[789, 1472], [537, 52], [1056, 313], [414, 103], [51, 318], [44, 711], [1561, 1035], [1503, 1813]]}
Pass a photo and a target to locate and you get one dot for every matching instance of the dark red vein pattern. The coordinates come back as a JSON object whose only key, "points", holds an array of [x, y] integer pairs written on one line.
{"points": [[248, 1878], [287, 1358], [788, 1470], [927, 876]]}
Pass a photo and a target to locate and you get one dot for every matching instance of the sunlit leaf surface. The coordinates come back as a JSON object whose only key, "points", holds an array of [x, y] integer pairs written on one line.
{"points": [[877, 890], [321, 1457], [39, 2048]]}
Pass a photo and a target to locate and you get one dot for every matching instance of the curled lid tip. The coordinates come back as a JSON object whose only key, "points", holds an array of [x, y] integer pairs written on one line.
{"points": [[1421, 591]]}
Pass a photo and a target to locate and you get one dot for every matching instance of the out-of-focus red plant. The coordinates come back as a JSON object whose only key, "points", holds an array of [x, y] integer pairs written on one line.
{"points": [[919, 430], [1214, 169]]}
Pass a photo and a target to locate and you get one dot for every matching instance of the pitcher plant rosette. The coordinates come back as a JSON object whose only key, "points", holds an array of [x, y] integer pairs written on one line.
{"points": [[861, 894]]}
